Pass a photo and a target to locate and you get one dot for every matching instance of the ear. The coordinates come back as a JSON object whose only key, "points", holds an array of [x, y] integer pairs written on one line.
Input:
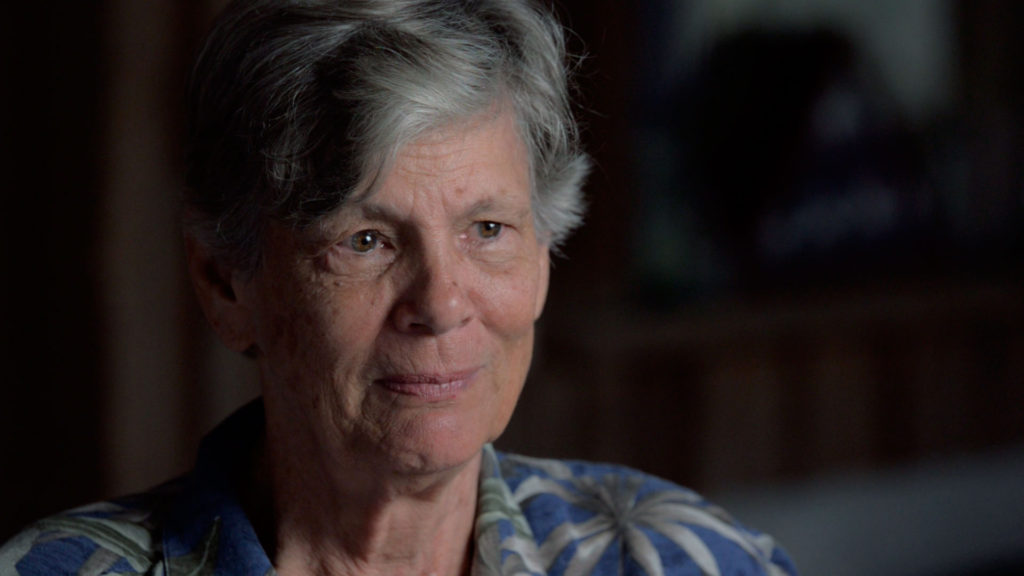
{"points": [[217, 287], [543, 276]]}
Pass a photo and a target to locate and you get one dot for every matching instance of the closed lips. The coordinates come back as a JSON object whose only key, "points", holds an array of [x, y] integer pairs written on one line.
{"points": [[428, 386]]}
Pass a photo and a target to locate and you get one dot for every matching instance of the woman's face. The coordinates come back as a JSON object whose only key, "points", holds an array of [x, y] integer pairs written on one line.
{"points": [[401, 329]]}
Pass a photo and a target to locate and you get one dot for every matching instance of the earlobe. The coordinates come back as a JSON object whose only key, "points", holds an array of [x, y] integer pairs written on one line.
{"points": [[217, 290], [544, 274]]}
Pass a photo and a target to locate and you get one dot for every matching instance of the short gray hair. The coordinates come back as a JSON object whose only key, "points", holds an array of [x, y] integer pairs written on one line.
{"points": [[294, 104]]}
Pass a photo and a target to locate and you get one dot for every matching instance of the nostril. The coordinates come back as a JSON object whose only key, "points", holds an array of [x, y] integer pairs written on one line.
{"points": [[433, 306], [420, 328]]}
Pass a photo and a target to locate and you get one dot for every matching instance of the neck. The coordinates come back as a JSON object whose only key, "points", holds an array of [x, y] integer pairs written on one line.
{"points": [[338, 516]]}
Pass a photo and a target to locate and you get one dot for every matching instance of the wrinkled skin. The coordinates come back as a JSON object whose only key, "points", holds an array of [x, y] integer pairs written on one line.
{"points": [[400, 330]]}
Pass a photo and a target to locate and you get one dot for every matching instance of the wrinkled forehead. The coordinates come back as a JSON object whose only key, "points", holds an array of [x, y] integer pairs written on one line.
{"points": [[447, 145], [470, 168]]}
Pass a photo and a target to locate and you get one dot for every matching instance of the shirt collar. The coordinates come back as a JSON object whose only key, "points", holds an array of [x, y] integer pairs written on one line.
{"points": [[505, 543], [207, 531], [206, 526]]}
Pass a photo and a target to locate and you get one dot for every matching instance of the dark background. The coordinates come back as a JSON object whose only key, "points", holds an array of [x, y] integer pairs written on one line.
{"points": [[801, 266]]}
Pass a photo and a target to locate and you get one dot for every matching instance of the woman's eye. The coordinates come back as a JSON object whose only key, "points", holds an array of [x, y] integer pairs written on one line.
{"points": [[488, 229], [365, 241]]}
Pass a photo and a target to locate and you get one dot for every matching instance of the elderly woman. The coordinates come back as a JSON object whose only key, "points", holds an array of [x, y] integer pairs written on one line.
{"points": [[375, 187]]}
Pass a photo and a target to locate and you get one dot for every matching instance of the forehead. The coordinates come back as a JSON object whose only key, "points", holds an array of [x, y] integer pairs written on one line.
{"points": [[473, 169], [480, 156]]}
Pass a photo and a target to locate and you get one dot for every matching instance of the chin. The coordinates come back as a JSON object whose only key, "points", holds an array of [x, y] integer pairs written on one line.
{"points": [[438, 443]]}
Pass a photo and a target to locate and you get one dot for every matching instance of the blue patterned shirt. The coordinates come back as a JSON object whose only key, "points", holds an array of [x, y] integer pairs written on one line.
{"points": [[534, 516]]}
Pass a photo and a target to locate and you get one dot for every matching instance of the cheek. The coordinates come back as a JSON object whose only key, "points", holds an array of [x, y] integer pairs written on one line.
{"points": [[510, 301], [293, 343], [315, 334], [510, 320]]}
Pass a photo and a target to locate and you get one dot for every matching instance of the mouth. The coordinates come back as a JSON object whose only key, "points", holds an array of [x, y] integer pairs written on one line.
{"points": [[428, 387]]}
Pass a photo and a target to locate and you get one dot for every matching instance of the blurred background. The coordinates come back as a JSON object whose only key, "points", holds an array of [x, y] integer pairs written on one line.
{"points": [[800, 289]]}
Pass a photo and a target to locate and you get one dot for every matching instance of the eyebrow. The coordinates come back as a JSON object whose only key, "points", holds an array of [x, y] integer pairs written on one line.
{"points": [[374, 211], [489, 204]]}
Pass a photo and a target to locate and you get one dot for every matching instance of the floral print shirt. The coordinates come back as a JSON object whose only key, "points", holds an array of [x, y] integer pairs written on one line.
{"points": [[534, 516]]}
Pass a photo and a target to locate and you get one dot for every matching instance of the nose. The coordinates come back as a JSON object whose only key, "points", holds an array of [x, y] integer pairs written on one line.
{"points": [[435, 300]]}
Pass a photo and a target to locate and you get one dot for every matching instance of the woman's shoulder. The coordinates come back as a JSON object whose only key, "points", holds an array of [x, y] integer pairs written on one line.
{"points": [[111, 537], [583, 514]]}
